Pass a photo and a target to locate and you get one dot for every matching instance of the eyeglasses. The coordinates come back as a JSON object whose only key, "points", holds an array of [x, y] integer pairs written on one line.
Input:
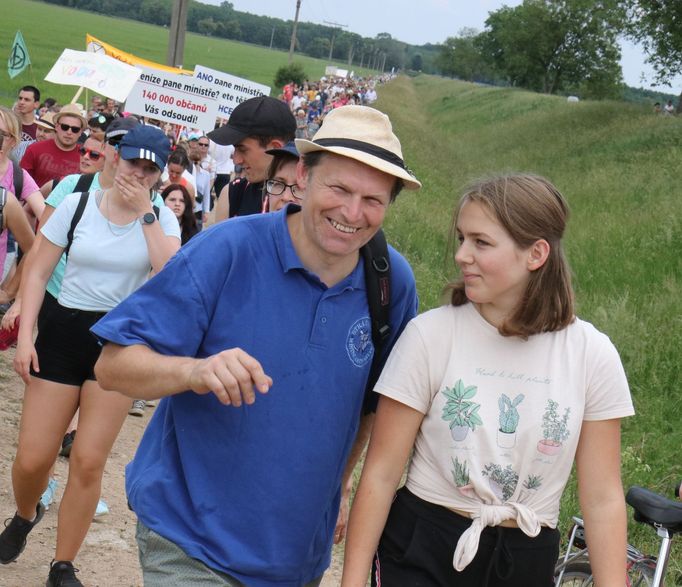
{"points": [[203, 144], [67, 127], [275, 187], [94, 155]]}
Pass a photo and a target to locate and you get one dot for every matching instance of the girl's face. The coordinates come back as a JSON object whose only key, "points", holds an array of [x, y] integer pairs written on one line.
{"points": [[176, 202], [286, 174], [97, 133], [495, 269], [175, 172], [146, 172], [92, 156], [8, 142]]}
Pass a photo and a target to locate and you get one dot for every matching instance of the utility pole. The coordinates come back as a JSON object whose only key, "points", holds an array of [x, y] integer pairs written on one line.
{"points": [[176, 37], [272, 36], [336, 26], [293, 33]]}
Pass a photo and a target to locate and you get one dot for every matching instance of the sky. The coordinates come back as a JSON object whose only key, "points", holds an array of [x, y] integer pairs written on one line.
{"points": [[423, 21]]}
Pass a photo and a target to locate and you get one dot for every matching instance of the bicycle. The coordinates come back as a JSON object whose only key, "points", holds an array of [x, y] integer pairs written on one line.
{"points": [[643, 570]]}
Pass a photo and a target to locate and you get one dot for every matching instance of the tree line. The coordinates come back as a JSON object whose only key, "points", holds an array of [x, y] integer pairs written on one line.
{"points": [[550, 46]]}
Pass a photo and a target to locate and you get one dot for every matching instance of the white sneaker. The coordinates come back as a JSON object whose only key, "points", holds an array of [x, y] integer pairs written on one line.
{"points": [[137, 409], [102, 510]]}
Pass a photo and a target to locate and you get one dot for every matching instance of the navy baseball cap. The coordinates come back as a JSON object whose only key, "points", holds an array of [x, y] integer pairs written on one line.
{"points": [[288, 149], [262, 116], [146, 142]]}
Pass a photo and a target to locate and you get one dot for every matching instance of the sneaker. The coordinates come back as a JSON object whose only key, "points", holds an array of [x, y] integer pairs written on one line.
{"points": [[48, 495], [62, 574], [102, 509], [13, 537], [137, 409], [67, 443]]}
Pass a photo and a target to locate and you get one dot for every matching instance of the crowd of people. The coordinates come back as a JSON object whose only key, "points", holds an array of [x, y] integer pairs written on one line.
{"points": [[263, 338]]}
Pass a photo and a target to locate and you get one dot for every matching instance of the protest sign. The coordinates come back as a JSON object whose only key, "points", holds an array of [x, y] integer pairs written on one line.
{"points": [[180, 99], [94, 71], [233, 90], [18, 57]]}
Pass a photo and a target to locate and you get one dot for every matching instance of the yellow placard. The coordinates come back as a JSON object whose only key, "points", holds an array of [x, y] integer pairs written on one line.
{"points": [[94, 45]]}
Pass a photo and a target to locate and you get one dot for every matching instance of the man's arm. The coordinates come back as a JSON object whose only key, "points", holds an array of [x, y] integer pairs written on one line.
{"points": [[139, 372], [364, 431]]}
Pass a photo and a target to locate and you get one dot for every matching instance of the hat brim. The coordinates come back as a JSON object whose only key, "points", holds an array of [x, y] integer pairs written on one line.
{"points": [[411, 183], [44, 124], [226, 135], [129, 152]]}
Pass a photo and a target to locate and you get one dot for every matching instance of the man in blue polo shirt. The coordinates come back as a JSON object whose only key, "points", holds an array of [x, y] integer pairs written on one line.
{"points": [[232, 489]]}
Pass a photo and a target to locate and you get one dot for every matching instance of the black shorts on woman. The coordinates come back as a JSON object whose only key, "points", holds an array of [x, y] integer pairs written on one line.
{"points": [[67, 350], [419, 541]]}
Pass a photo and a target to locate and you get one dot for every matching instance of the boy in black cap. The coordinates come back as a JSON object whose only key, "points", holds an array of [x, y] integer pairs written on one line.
{"points": [[257, 125]]}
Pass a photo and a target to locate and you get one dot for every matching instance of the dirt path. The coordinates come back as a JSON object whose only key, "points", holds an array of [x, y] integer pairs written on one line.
{"points": [[108, 557]]}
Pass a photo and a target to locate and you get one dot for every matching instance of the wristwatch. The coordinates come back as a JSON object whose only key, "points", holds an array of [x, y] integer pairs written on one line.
{"points": [[148, 218]]}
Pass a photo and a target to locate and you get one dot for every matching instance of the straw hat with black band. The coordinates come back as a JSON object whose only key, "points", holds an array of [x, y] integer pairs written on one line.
{"points": [[70, 110], [363, 134]]}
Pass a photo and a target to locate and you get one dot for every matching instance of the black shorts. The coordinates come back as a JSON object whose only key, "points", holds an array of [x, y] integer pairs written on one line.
{"points": [[419, 540], [67, 350]]}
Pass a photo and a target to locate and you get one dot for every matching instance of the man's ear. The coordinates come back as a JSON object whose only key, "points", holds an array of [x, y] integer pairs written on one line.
{"points": [[537, 254], [302, 174], [275, 144]]}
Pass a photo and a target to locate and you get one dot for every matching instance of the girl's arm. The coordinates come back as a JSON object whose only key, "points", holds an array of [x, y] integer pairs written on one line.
{"points": [[35, 279], [36, 202], [17, 223], [601, 500], [393, 435]]}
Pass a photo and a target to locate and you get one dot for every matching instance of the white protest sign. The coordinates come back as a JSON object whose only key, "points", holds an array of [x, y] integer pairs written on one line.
{"points": [[99, 73], [233, 90], [171, 97]]}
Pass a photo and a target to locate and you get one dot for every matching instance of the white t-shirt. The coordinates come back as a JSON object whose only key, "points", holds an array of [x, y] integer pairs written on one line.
{"points": [[502, 415], [107, 262], [224, 165]]}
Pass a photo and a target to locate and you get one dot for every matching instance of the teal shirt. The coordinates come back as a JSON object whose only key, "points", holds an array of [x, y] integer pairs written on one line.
{"points": [[56, 197]]}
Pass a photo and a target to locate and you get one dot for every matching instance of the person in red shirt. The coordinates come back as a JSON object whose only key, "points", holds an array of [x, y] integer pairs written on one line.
{"points": [[54, 159]]}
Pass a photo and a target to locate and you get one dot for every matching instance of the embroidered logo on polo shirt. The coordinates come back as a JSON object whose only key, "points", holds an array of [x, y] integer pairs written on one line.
{"points": [[359, 342]]}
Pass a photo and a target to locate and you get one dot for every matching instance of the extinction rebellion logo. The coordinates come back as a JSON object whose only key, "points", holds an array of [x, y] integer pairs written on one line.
{"points": [[359, 342]]}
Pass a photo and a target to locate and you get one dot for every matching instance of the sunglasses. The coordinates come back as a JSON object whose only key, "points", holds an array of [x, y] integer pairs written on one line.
{"points": [[67, 127], [94, 155]]}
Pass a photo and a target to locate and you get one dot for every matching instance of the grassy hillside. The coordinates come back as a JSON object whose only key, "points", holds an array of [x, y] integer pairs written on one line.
{"points": [[48, 29], [618, 166]]}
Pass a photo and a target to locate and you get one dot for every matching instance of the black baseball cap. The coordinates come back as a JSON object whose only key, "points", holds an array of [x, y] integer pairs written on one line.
{"points": [[118, 128], [260, 117]]}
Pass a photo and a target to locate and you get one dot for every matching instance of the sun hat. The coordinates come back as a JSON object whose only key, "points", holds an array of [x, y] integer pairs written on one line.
{"points": [[363, 134], [70, 110], [262, 116], [120, 127], [146, 142], [288, 149], [46, 121]]}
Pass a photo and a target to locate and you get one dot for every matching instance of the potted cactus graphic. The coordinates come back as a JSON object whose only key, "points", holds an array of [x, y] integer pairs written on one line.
{"points": [[460, 475], [502, 481], [531, 484], [509, 420], [460, 411], [554, 429]]}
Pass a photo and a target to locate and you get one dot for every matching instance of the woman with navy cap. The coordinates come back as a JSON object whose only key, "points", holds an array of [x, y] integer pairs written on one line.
{"points": [[118, 237]]}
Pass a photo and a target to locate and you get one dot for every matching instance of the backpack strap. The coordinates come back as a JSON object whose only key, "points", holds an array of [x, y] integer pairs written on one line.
{"points": [[18, 180], [3, 201], [77, 215], [84, 182], [378, 285]]}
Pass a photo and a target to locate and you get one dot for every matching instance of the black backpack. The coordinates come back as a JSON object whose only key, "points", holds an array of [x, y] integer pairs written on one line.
{"points": [[378, 285]]}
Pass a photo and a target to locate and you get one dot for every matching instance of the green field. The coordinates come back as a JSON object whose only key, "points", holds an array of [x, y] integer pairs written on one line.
{"points": [[49, 29], [617, 164]]}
